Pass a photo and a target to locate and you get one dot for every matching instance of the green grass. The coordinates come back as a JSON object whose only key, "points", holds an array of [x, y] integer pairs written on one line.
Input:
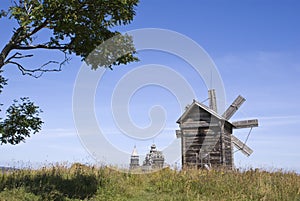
{"points": [[89, 183]]}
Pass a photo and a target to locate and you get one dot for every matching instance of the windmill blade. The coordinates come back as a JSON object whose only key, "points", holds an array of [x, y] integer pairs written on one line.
{"points": [[241, 146], [245, 123], [212, 100], [233, 107]]}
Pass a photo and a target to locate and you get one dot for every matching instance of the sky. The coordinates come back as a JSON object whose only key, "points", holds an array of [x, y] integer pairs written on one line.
{"points": [[255, 46]]}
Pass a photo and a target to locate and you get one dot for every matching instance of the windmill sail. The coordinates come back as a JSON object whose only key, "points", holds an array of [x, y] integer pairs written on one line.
{"points": [[241, 146], [233, 107], [245, 123], [212, 99]]}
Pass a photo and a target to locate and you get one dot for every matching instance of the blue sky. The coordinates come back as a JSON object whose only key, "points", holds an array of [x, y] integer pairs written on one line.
{"points": [[255, 46]]}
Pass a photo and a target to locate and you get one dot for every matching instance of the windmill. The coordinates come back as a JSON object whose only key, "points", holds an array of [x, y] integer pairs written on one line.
{"points": [[206, 136]]}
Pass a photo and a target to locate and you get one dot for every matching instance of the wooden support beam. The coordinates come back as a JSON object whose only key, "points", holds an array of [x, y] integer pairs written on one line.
{"points": [[245, 123], [222, 145], [233, 107]]}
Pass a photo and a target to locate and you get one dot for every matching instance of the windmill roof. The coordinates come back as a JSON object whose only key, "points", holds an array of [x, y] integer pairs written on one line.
{"points": [[204, 107]]}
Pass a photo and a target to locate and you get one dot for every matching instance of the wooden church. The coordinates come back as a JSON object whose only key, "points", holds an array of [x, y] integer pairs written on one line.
{"points": [[206, 137]]}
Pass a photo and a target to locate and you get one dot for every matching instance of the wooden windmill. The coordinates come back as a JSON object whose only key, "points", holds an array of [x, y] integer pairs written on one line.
{"points": [[206, 136]]}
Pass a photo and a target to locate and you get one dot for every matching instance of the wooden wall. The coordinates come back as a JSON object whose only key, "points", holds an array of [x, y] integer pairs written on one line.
{"points": [[205, 140]]}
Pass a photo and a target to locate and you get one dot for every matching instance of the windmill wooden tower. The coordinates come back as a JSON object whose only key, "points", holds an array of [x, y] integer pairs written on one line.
{"points": [[206, 137]]}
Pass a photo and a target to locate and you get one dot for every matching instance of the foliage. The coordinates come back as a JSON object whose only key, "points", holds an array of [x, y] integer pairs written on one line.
{"points": [[3, 82], [90, 183], [74, 27], [21, 121]]}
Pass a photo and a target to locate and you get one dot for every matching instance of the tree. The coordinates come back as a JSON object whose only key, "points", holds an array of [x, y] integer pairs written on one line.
{"points": [[75, 27]]}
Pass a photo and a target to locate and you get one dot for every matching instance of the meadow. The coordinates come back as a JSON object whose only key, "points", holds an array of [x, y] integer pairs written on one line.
{"points": [[80, 182]]}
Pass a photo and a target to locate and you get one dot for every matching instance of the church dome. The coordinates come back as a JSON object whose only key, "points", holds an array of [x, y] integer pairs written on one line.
{"points": [[153, 147]]}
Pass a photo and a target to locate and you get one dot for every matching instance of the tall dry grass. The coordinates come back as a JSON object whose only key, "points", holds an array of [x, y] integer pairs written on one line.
{"points": [[80, 182]]}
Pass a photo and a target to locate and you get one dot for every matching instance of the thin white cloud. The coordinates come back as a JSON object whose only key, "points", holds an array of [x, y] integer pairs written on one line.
{"points": [[280, 120]]}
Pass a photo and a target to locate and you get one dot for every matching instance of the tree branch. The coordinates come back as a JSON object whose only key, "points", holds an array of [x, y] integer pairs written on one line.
{"points": [[9, 46], [17, 56], [40, 46], [17, 38], [42, 25], [41, 70]]}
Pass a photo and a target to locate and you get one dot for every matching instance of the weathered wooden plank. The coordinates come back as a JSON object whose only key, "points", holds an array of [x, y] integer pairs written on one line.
{"points": [[178, 133], [227, 137], [198, 124], [212, 99], [233, 107], [194, 114], [197, 115], [194, 124], [198, 131], [241, 146], [202, 135], [205, 146], [246, 123], [201, 140]]}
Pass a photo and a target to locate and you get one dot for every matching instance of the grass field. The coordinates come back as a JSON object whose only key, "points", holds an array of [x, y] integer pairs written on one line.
{"points": [[89, 183]]}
